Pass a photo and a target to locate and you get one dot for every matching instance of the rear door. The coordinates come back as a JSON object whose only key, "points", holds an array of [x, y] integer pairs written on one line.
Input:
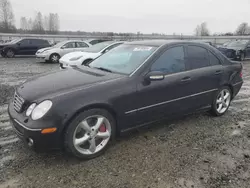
{"points": [[206, 75]]}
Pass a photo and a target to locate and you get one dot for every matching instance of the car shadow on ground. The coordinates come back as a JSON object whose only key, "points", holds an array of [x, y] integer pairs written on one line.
{"points": [[55, 157]]}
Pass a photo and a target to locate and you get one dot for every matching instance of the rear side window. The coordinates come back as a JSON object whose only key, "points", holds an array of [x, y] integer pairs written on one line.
{"points": [[213, 59], [39, 42], [197, 57], [171, 61]]}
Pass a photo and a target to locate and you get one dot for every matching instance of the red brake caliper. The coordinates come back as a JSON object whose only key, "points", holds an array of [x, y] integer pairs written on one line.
{"points": [[102, 128]]}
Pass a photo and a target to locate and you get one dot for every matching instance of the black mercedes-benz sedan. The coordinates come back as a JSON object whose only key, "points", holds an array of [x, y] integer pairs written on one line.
{"points": [[83, 109], [237, 50]]}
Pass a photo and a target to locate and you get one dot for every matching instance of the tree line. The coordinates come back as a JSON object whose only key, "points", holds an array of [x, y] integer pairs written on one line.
{"points": [[38, 25], [242, 30]]}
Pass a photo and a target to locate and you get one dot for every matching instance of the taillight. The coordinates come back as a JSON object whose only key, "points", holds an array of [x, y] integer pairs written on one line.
{"points": [[241, 74]]}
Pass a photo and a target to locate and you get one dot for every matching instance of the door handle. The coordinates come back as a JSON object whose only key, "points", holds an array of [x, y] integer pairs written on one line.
{"points": [[186, 79], [218, 72]]}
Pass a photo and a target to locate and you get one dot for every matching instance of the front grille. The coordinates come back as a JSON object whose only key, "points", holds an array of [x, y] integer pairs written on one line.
{"points": [[18, 103]]}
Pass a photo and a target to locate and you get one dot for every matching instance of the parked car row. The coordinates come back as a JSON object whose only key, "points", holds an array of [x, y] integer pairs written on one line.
{"points": [[82, 109], [236, 50], [43, 48]]}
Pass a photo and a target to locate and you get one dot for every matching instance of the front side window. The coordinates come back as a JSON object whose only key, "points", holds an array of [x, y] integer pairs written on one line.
{"points": [[197, 57], [171, 61], [69, 45], [123, 59], [24, 42], [81, 45]]}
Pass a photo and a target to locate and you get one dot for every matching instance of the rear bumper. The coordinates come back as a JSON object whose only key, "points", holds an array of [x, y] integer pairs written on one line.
{"points": [[236, 88]]}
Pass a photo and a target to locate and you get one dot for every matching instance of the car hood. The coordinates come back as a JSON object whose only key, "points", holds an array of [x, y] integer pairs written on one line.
{"points": [[84, 55], [57, 83], [230, 48], [44, 49]]}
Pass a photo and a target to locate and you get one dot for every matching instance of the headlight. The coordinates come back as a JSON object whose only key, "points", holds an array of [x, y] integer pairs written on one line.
{"points": [[41, 109], [75, 58], [30, 109]]}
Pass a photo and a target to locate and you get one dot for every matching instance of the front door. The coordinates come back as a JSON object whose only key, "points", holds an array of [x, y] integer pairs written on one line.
{"points": [[169, 96], [67, 48], [24, 47]]}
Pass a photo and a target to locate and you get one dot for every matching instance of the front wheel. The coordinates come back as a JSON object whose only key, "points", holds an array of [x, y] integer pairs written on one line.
{"points": [[221, 101], [54, 58], [10, 53], [89, 133]]}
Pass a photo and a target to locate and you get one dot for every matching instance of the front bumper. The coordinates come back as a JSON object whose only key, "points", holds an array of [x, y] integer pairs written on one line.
{"points": [[42, 56], [27, 130]]}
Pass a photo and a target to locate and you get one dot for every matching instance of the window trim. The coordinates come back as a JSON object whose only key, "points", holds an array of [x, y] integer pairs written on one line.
{"points": [[163, 51]]}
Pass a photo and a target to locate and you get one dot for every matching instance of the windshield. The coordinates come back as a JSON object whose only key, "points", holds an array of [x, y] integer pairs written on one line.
{"points": [[59, 44], [240, 43], [98, 47], [14, 41], [123, 59]]}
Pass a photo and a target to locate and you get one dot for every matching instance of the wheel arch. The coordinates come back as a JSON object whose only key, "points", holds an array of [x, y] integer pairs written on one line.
{"points": [[88, 107], [86, 60]]}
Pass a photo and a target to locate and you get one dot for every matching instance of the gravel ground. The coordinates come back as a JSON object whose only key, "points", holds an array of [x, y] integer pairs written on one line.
{"points": [[198, 151]]}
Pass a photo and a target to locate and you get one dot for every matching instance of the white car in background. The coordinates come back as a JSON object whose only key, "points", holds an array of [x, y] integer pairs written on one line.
{"points": [[87, 55], [54, 53]]}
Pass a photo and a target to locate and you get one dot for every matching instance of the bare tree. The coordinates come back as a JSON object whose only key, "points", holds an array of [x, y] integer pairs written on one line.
{"points": [[243, 29], [202, 30], [30, 24], [53, 23], [6, 16], [24, 24], [38, 24], [46, 23]]}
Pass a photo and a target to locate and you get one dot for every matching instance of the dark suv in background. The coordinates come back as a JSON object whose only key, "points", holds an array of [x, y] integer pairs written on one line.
{"points": [[22, 47]]}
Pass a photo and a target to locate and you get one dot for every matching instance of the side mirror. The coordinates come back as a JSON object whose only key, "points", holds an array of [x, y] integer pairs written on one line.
{"points": [[19, 43], [154, 76]]}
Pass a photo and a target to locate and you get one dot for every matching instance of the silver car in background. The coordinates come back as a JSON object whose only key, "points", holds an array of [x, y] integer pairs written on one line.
{"points": [[54, 53]]}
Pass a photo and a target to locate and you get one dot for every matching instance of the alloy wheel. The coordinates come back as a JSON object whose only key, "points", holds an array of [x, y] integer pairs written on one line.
{"points": [[92, 135], [10, 53], [223, 101], [55, 58]]}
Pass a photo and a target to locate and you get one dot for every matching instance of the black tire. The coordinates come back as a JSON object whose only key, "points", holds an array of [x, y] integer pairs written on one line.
{"points": [[87, 61], [54, 58], [10, 53], [69, 133], [214, 111]]}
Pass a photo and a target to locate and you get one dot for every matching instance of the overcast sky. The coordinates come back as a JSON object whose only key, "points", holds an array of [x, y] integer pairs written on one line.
{"points": [[147, 16]]}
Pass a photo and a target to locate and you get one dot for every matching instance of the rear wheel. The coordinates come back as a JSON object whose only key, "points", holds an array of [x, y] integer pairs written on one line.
{"points": [[89, 133], [221, 101], [54, 58], [10, 53]]}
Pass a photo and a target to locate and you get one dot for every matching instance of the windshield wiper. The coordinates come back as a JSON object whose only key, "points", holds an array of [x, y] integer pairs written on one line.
{"points": [[103, 69]]}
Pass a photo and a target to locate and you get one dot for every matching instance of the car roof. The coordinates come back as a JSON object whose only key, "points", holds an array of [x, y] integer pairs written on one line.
{"points": [[158, 43]]}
